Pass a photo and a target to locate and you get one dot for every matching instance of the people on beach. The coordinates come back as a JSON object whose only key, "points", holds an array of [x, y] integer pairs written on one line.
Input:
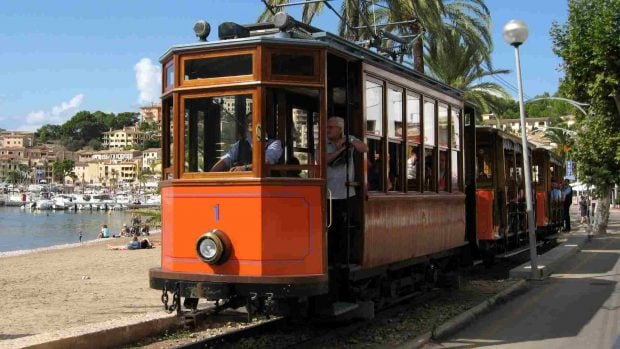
{"points": [[80, 237], [104, 233], [134, 244]]}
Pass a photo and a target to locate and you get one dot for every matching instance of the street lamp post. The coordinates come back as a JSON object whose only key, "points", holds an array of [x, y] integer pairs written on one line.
{"points": [[515, 33]]}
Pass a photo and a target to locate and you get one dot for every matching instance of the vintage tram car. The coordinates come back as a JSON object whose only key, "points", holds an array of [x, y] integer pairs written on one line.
{"points": [[252, 229], [501, 219]]}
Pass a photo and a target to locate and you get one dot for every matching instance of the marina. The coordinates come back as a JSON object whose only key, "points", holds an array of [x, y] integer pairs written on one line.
{"points": [[22, 229]]}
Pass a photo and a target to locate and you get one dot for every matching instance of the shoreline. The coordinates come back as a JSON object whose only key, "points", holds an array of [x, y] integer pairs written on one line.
{"points": [[16, 253]]}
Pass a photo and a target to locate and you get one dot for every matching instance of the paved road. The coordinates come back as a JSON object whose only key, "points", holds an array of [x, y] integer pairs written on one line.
{"points": [[577, 307]]}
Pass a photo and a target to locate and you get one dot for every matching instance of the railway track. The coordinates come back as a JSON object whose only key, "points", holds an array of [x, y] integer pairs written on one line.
{"points": [[230, 329]]}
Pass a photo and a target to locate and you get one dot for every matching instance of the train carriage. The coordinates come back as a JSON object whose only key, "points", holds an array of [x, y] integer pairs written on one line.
{"points": [[256, 230]]}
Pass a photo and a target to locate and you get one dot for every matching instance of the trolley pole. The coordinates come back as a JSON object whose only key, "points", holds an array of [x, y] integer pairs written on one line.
{"points": [[515, 33]]}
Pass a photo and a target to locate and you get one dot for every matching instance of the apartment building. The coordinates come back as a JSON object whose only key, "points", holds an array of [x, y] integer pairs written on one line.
{"points": [[127, 137], [151, 159]]}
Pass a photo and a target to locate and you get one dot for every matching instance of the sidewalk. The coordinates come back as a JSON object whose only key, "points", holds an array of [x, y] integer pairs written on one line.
{"points": [[576, 307], [570, 243]]}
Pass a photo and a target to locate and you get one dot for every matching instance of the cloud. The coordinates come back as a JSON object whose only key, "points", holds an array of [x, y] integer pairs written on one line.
{"points": [[64, 106], [148, 81], [56, 116]]}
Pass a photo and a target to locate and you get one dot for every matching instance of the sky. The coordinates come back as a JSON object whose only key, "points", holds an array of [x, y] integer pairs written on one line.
{"points": [[60, 57]]}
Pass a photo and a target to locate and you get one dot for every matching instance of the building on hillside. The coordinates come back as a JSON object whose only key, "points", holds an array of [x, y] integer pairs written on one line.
{"points": [[151, 113], [16, 139], [127, 137], [151, 159], [514, 125], [37, 161]]}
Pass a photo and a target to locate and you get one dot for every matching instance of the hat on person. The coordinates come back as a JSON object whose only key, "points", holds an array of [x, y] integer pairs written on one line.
{"points": [[124, 225]]}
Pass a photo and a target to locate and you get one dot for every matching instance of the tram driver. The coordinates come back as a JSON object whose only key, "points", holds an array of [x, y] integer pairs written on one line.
{"points": [[338, 150], [239, 156]]}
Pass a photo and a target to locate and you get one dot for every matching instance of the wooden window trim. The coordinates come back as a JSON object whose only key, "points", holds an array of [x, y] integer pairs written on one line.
{"points": [[221, 80], [256, 156], [315, 53]]}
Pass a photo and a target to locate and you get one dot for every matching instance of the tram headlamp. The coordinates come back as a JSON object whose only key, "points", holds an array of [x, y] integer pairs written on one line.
{"points": [[202, 29], [213, 247]]}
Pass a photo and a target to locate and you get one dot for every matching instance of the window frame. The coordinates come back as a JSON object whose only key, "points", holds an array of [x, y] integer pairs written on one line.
{"points": [[268, 52], [219, 80], [257, 156], [420, 142]]}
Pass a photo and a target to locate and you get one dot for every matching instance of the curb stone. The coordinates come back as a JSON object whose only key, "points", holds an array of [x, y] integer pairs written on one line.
{"points": [[454, 324]]}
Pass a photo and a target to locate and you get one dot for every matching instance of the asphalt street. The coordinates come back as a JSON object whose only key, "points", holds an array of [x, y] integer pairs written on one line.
{"points": [[577, 307]]}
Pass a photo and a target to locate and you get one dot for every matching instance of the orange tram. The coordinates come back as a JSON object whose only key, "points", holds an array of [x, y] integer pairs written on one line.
{"points": [[244, 227]]}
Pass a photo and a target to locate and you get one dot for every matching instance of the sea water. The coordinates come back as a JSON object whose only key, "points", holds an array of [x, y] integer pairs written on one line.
{"points": [[24, 229]]}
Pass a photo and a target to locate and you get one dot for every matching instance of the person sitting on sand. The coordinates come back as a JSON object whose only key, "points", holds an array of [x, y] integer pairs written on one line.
{"points": [[134, 244], [104, 233]]}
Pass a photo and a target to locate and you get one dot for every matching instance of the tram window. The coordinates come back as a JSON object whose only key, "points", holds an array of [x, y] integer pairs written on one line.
{"points": [[395, 113], [413, 118], [484, 167], [292, 117], [457, 167], [218, 133], [456, 171], [292, 64], [413, 154], [395, 180], [536, 174], [443, 170], [443, 125], [217, 67], [429, 123], [169, 76], [456, 129], [430, 176], [167, 138], [375, 165], [374, 108]]}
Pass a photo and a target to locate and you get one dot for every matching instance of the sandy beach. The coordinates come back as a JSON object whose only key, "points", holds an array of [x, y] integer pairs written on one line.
{"points": [[80, 284]]}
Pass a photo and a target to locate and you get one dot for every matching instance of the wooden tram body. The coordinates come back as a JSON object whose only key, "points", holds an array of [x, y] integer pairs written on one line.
{"points": [[272, 218], [501, 217], [259, 235]]}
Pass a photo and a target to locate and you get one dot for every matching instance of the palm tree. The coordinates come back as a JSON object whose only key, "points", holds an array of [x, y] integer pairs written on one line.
{"points": [[562, 139], [451, 60], [471, 18]]}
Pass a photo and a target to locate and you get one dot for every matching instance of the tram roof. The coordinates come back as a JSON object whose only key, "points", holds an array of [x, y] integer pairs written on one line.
{"points": [[320, 39]]}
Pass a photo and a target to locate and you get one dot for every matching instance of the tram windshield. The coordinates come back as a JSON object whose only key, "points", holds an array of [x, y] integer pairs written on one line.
{"points": [[218, 133]]}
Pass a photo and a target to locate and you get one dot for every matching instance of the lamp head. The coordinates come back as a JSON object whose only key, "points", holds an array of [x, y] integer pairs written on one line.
{"points": [[515, 32], [202, 30]]}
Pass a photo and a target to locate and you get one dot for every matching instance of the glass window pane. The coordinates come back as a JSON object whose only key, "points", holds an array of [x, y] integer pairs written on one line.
{"points": [[456, 168], [456, 129], [375, 165], [170, 76], [430, 176], [429, 123], [395, 181], [413, 118], [395, 113], [217, 67], [168, 131], [443, 125], [374, 109], [218, 133], [484, 168], [443, 170], [413, 154], [292, 64]]}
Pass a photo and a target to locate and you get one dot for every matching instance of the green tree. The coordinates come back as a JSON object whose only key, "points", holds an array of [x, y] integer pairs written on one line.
{"points": [[451, 60], [589, 46], [471, 18], [48, 132], [63, 168]]}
